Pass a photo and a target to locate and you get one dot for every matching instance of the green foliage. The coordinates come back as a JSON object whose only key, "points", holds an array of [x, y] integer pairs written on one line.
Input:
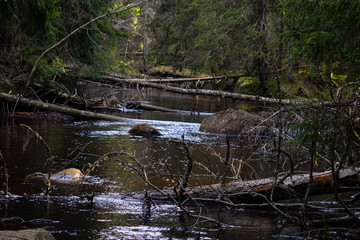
{"points": [[331, 133], [218, 37], [22, 21], [207, 36], [29, 27], [325, 33]]}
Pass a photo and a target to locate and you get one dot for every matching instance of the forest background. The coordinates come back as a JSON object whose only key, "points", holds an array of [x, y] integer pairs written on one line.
{"points": [[293, 40]]}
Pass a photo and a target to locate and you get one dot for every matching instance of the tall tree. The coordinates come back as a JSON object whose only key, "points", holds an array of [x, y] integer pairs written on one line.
{"points": [[326, 34], [260, 7], [215, 36], [27, 28]]}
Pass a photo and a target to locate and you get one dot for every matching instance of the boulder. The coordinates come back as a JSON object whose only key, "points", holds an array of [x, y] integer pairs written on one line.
{"points": [[144, 129], [27, 234], [67, 176], [230, 121]]}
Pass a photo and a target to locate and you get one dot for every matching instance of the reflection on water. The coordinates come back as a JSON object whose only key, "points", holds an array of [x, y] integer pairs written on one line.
{"points": [[100, 207]]}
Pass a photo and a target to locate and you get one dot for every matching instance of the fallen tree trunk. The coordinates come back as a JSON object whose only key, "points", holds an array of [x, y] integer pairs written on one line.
{"points": [[258, 191], [28, 103], [193, 79], [215, 93]]}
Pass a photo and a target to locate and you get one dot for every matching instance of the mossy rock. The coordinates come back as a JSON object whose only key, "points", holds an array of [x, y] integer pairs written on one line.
{"points": [[144, 129], [27, 234], [67, 176], [230, 121]]}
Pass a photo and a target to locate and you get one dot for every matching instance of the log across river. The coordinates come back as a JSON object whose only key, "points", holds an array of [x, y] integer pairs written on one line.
{"points": [[256, 191]]}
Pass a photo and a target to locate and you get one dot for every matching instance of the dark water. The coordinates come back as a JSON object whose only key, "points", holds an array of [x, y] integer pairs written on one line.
{"points": [[101, 207]]}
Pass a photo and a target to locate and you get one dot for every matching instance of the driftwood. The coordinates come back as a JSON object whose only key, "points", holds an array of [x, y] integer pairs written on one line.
{"points": [[215, 93], [28, 103], [256, 191]]}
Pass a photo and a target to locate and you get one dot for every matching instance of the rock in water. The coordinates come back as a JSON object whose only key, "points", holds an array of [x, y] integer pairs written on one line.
{"points": [[230, 122], [111, 101], [67, 176], [28, 234], [144, 129]]}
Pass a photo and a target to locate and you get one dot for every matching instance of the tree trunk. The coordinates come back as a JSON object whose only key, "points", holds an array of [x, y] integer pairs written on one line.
{"points": [[25, 102], [216, 93], [261, 61], [145, 37], [180, 80], [256, 191], [291, 68]]}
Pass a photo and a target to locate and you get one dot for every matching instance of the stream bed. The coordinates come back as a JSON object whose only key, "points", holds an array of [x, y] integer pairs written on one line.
{"points": [[101, 207]]}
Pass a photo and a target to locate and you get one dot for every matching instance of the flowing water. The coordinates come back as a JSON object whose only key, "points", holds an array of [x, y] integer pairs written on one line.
{"points": [[101, 207]]}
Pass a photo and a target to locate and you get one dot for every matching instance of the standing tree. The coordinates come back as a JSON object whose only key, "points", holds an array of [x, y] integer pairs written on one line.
{"points": [[260, 7], [325, 34]]}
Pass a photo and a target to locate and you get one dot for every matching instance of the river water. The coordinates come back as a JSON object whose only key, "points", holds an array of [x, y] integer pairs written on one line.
{"points": [[101, 207]]}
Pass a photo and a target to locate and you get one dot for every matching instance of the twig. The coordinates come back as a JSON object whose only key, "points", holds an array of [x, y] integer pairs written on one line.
{"points": [[226, 160], [5, 174], [49, 160]]}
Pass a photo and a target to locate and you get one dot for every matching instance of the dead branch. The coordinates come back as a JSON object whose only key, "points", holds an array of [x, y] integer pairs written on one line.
{"points": [[5, 173], [49, 160]]}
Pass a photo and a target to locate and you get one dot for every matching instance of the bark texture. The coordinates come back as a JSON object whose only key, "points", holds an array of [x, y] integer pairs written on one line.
{"points": [[256, 191], [33, 104]]}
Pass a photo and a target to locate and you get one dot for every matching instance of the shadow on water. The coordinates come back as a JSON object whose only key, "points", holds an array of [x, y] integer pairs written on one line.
{"points": [[100, 207]]}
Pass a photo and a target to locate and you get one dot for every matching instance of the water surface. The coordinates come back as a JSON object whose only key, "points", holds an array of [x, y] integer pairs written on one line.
{"points": [[102, 207]]}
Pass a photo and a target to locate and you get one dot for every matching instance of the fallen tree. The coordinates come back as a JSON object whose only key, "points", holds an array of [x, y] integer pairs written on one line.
{"points": [[258, 191], [215, 93], [192, 79], [34, 104]]}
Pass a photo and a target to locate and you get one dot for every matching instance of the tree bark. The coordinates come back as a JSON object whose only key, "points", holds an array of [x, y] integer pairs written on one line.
{"points": [[33, 104], [179, 80], [256, 191], [216, 93], [145, 37], [261, 61]]}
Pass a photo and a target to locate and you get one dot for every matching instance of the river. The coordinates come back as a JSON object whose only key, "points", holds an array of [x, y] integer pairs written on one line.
{"points": [[101, 207]]}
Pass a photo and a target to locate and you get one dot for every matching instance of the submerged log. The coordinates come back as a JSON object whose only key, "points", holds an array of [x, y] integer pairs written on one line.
{"points": [[33, 104], [256, 191], [143, 106]]}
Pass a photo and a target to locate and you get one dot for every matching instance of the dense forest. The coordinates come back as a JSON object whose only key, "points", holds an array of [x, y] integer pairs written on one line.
{"points": [[264, 38], [302, 56]]}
